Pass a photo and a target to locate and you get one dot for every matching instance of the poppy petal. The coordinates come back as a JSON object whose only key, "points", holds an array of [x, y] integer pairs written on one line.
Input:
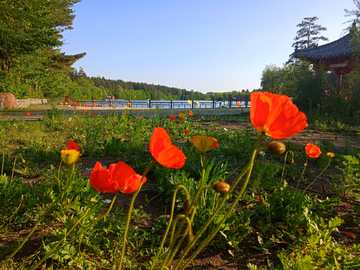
{"points": [[125, 178]]}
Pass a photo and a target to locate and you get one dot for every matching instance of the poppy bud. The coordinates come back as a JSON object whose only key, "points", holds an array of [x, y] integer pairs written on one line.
{"points": [[221, 187], [187, 241], [186, 206], [291, 161], [277, 148]]}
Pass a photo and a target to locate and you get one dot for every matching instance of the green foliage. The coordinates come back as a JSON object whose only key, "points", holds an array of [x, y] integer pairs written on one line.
{"points": [[348, 182]]}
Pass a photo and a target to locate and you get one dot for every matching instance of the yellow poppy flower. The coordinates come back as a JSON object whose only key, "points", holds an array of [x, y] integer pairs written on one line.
{"points": [[189, 102], [330, 155], [69, 156], [197, 103], [204, 144]]}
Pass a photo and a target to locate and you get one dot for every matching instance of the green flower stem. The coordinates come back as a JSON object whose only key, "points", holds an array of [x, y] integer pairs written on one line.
{"points": [[215, 231], [282, 175], [17, 209], [305, 165], [12, 176], [39, 221], [58, 244], [152, 162], [171, 253], [233, 186], [169, 225], [318, 176], [193, 207]]}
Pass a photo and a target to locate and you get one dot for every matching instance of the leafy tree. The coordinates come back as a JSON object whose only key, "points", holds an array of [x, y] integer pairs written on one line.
{"points": [[271, 79], [308, 34], [28, 25]]}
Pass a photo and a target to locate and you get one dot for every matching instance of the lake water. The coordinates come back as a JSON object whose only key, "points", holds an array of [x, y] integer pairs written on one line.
{"points": [[167, 104]]}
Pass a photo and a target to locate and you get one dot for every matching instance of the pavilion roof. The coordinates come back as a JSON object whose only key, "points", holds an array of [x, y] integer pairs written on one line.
{"points": [[339, 48]]}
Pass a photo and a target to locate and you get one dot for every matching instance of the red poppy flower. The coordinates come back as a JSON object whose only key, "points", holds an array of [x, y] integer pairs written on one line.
{"points": [[92, 114], [72, 145], [276, 115], [172, 117], [164, 152], [353, 235], [257, 198], [191, 113], [86, 105], [28, 114], [186, 131], [119, 177], [75, 107], [312, 150], [85, 111]]}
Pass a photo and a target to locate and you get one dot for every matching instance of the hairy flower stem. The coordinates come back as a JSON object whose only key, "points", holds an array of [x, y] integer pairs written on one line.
{"points": [[318, 176], [59, 242], [169, 224], [302, 173], [282, 175], [12, 176], [247, 169], [171, 253], [147, 169], [39, 221]]}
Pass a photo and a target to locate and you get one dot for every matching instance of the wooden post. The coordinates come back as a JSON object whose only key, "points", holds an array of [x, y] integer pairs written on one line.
{"points": [[67, 99], [170, 104], [79, 102], [93, 103], [149, 103], [110, 103]]}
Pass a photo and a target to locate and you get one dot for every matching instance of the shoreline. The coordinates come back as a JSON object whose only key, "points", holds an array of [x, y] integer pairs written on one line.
{"points": [[38, 111]]}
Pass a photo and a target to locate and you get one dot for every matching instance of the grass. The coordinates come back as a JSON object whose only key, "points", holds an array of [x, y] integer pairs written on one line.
{"points": [[290, 228]]}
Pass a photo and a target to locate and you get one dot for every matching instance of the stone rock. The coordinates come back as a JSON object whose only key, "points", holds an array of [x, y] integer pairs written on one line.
{"points": [[9, 100]]}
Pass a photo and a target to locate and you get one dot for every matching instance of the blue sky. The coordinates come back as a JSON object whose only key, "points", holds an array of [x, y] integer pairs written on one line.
{"points": [[207, 46]]}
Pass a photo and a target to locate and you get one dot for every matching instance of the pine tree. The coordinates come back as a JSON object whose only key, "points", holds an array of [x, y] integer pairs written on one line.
{"points": [[308, 34]]}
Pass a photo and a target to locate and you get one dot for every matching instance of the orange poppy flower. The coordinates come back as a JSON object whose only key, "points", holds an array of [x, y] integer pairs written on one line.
{"points": [[191, 113], [28, 114], [312, 150], [186, 131], [276, 115], [181, 115], [353, 235], [204, 144], [119, 177], [164, 152], [238, 104]]}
